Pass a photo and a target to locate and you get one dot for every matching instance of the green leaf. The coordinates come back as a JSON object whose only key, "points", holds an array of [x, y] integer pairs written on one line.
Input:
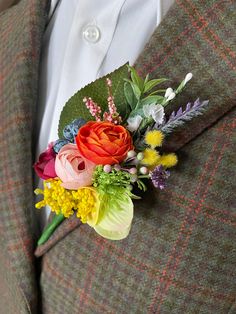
{"points": [[136, 90], [129, 95], [136, 78], [152, 83], [146, 79], [97, 90], [157, 92], [150, 100], [115, 215], [136, 112]]}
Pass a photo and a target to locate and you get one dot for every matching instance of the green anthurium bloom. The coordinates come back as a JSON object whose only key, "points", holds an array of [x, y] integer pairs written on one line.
{"points": [[115, 214]]}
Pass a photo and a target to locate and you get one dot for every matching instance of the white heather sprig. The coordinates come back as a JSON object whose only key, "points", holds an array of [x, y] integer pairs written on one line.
{"points": [[93, 108], [111, 116]]}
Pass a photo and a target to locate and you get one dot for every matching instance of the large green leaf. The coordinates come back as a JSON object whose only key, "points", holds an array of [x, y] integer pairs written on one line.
{"points": [[97, 90]]}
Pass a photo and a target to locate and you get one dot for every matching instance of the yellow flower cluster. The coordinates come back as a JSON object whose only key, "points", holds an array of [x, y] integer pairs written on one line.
{"points": [[87, 204], [61, 201], [152, 158], [168, 160], [154, 138]]}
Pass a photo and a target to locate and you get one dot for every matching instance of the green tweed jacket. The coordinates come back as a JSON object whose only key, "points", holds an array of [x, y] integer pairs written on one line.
{"points": [[180, 256]]}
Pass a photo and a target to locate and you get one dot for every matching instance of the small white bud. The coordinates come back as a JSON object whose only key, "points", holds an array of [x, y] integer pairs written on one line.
{"points": [[172, 96], [168, 92], [131, 154], [143, 170], [188, 77], [107, 168], [140, 156]]}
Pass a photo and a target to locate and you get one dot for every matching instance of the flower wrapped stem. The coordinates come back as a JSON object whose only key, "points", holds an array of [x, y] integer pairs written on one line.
{"points": [[57, 220]]}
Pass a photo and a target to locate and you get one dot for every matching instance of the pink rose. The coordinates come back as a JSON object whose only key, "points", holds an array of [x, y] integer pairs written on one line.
{"points": [[45, 166], [74, 170]]}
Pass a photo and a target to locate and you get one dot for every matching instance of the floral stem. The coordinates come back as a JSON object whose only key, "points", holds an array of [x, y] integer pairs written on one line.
{"points": [[57, 220], [145, 176]]}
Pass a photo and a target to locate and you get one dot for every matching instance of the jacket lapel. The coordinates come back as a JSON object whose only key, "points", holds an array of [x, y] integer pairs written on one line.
{"points": [[191, 38], [21, 29]]}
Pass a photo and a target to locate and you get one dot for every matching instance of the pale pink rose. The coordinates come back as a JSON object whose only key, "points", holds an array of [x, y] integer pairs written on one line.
{"points": [[74, 170]]}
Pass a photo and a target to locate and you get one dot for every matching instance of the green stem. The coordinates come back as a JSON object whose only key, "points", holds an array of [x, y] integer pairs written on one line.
{"points": [[144, 176], [57, 220]]}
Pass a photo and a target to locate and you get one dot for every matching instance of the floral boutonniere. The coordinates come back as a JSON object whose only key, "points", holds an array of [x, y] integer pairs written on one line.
{"points": [[110, 138]]}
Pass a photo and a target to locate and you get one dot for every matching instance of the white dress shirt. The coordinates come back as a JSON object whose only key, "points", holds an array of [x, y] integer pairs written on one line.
{"points": [[84, 40]]}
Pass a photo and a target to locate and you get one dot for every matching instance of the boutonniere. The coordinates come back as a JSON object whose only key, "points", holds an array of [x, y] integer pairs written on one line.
{"points": [[110, 140]]}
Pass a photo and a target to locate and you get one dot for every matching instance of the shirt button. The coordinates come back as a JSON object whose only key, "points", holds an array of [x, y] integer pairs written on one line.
{"points": [[91, 33]]}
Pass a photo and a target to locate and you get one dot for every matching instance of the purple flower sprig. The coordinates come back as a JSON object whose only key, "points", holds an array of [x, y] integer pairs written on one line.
{"points": [[159, 176], [179, 118]]}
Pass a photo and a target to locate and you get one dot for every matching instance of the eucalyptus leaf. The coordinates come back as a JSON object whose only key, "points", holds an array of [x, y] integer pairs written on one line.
{"points": [[97, 90]]}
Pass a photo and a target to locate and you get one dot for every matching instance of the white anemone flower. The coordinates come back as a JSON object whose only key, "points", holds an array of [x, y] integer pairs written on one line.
{"points": [[156, 111], [134, 123]]}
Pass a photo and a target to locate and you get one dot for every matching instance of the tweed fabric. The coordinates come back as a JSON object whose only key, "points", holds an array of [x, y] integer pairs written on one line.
{"points": [[180, 256], [21, 29], [11, 297], [201, 44]]}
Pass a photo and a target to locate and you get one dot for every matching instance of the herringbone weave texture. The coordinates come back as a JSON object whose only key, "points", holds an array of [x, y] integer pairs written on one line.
{"points": [[180, 256]]}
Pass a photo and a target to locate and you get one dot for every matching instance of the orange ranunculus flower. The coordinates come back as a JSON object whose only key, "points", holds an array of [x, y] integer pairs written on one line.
{"points": [[104, 142]]}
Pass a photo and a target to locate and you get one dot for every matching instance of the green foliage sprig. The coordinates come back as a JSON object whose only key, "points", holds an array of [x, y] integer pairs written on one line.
{"points": [[139, 92]]}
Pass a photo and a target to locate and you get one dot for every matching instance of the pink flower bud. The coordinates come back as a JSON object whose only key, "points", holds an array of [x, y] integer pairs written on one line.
{"points": [[117, 167], [132, 170]]}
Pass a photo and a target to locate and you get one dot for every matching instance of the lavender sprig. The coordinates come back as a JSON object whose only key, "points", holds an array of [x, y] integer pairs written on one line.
{"points": [[180, 117]]}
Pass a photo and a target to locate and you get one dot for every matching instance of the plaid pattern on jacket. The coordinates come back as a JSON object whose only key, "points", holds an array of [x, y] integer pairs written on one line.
{"points": [[180, 255]]}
